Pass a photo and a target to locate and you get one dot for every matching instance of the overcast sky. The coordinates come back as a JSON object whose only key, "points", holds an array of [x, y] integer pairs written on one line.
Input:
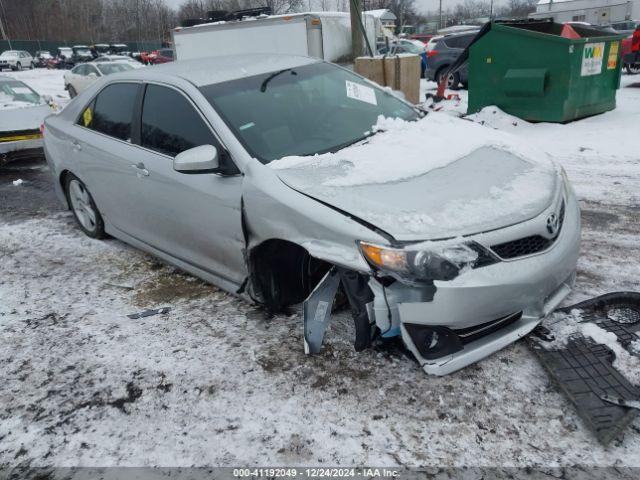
{"points": [[422, 5]]}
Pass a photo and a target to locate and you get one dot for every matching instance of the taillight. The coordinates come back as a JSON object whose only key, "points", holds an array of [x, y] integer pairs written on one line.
{"points": [[432, 53]]}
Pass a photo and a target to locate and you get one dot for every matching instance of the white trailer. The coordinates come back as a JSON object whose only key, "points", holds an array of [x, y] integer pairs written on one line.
{"points": [[596, 12], [325, 35]]}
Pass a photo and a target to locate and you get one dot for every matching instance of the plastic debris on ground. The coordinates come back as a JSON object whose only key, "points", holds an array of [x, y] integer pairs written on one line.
{"points": [[592, 352]]}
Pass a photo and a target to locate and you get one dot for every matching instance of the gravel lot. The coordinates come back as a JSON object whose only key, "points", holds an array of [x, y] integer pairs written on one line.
{"points": [[216, 382]]}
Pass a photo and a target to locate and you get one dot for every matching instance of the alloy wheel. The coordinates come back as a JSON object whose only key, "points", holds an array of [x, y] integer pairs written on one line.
{"points": [[82, 205]]}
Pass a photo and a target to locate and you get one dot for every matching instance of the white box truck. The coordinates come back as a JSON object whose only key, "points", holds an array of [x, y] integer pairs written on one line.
{"points": [[325, 35]]}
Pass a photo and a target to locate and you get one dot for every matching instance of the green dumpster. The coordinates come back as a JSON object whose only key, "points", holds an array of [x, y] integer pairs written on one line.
{"points": [[530, 71]]}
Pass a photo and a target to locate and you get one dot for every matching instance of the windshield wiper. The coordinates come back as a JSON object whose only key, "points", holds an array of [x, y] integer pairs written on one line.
{"points": [[263, 87]]}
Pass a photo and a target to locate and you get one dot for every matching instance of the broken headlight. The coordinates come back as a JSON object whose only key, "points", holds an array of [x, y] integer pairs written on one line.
{"points": [[423, 263]]}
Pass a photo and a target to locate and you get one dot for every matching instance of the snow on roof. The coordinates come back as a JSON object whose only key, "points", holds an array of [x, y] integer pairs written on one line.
{"points": [[382, 13]]}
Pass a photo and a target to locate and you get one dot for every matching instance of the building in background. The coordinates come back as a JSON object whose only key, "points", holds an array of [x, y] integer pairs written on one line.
{"points": [[385, 21], [597, 12]]}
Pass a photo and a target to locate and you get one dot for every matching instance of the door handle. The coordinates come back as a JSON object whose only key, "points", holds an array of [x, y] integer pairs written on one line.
{"points": [[141, 169]]}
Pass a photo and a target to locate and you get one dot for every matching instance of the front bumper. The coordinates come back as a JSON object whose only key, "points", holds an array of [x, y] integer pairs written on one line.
{"points": [[526, 289]]}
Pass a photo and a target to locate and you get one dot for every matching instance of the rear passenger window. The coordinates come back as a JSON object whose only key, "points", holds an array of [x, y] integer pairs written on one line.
{"points": [[462, 41], [111, 112], [170, 124]]}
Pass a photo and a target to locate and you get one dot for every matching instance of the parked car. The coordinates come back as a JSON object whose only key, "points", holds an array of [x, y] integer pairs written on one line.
{"points": [[100, 49], [83, 75], [63, 59], [443, 52], [22, 112], [148, 57], [407, 46], [16, 60], [118, 58], [42, 58], [118, 48], [81, 53], [164, 55], [202, 164], [626, 27], [422, 37]]}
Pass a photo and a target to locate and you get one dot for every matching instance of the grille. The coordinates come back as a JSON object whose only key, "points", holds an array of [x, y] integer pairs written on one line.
{"points": [[528, 245]]}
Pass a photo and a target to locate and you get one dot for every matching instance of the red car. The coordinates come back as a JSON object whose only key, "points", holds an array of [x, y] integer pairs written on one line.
{"points": [[164, 55]]}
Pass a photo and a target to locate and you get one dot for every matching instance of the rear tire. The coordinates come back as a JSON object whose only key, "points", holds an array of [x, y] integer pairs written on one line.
{"points": [[632, 69], [453, 81], [84, 208]]}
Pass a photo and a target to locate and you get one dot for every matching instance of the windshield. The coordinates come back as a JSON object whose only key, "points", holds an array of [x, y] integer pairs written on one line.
{"points": [[15, 94], [83, 51], [109, 68], [302, 111]]}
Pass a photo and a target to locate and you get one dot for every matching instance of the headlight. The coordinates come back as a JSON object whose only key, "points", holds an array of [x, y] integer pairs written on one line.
{"points": [[421, 263]]}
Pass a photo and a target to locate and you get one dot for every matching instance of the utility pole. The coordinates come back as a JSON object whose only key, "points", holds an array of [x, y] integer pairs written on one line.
{"points": [[356, 29], [440, 16], [491, 11], [2, 32]]}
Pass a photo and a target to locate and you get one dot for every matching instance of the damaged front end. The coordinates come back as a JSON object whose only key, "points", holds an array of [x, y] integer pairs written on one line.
{"points": [[454, 302]]}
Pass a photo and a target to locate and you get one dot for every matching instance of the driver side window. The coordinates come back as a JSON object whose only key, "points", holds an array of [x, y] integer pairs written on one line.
{"points": [[171, 124]]}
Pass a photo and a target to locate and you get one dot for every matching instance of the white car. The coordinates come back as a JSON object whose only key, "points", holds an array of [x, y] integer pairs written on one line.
{"points": [[22, 112], [118, 58], [81, 76], [16, 60]]}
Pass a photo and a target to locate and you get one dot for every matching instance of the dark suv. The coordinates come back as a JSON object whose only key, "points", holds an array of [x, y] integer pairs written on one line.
{"points": [[442, 52]]}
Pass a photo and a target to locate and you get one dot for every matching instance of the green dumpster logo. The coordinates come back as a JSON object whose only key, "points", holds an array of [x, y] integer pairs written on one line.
{"points": [[592, 59]]}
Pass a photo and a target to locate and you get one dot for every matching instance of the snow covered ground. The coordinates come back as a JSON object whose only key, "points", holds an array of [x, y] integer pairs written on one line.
{"points": [[215, 382]]}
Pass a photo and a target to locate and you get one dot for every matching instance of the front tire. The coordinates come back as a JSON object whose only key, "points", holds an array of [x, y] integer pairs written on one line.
{"points": [[19, 66], [72, 92], [84, 208]]}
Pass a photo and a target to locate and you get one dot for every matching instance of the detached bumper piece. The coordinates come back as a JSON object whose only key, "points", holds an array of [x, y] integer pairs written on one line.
{"points": [[317, 308], [583, 369]]}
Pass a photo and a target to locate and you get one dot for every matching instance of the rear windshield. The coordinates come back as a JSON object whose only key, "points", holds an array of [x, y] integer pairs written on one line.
{"points": [[304, 110], [15, 94]]}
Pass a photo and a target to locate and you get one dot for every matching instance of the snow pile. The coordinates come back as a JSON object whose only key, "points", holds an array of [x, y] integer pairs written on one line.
{"points": [[425, 145], [18, 182], [563, 327]]}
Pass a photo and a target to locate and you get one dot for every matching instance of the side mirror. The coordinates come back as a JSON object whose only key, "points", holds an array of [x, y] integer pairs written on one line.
{"points": [[203, 159]]}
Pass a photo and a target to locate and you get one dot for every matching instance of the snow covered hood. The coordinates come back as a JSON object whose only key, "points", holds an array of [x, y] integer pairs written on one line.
{"points": [[435, 178], [23, 117]]}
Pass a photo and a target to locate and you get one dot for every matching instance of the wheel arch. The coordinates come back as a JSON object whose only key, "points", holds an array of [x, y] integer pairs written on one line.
{"points": [[282, 272]]}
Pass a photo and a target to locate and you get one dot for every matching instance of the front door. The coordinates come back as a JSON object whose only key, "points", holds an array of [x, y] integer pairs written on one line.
{"points": [[195, 218]]}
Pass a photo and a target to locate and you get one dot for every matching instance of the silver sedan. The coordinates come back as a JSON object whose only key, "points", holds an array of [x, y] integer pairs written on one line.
{"points": [[237, 170]]}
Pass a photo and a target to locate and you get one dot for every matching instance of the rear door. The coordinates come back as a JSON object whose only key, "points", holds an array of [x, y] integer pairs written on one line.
{"points": [[193, 217], [103, 151]]}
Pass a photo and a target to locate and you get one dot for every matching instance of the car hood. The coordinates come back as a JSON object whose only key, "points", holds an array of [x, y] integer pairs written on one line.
{"points": [[490, 187], [19, 118]]}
